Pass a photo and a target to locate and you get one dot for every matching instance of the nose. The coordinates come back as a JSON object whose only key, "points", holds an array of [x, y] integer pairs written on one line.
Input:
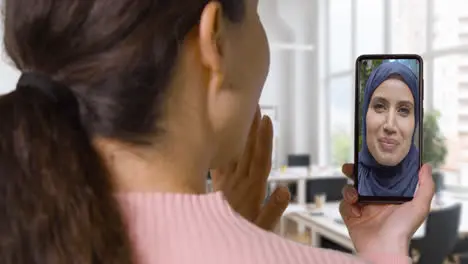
{"points": [[389, 125]]}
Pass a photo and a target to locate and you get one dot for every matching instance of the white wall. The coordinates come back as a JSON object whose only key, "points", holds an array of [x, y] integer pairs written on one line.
{"points": [[8, 74], [292, 85]]}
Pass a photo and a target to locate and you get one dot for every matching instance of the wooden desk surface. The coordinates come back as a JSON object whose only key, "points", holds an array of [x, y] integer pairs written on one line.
{"points": [[296, 176], [327, 221]]}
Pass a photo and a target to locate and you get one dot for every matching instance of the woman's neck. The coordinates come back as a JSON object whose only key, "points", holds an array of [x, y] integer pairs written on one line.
{"points": [[174, 170]]}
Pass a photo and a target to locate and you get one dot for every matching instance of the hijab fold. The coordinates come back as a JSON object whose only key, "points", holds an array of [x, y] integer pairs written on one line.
{"points": [[379, 180]]}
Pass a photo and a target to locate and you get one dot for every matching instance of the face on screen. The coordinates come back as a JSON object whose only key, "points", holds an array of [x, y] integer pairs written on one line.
{"points": [[389, 103], [390, 122]]}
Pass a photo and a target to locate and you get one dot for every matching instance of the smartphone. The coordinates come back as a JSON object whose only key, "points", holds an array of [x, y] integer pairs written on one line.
{"points": [[389, 95]]}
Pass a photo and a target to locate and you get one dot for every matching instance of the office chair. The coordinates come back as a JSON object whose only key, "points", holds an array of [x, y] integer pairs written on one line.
{"points": [[297, 160], [441, 235], [331, 187], [301, 160]]}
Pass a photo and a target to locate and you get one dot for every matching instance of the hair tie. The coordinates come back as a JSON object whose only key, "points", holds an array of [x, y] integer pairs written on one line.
{"points": [[57, 93]]}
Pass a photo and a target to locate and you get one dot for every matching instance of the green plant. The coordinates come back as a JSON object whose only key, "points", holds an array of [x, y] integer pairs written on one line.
{"points": [[434, 147], [342, 147]]}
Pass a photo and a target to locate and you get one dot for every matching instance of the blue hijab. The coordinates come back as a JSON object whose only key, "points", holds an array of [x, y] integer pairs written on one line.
{"points": [[375, 179]]}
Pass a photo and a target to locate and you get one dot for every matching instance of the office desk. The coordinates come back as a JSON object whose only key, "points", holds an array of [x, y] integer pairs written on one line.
{"points": [[300, 177], [329, 225]]}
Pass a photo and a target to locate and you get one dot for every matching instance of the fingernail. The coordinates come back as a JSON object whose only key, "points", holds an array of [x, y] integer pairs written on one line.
{"points": [[279, 198]]}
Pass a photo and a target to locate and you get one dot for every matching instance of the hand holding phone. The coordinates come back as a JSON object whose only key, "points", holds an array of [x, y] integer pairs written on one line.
{"points": [[386, 228], [388, 134]]}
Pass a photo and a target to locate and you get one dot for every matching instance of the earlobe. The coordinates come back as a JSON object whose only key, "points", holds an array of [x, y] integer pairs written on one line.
{"points": [[211, 37], [217, 80]]}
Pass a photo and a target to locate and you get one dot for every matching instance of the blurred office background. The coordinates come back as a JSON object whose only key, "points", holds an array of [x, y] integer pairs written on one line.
{"points": [[310, 89], [311, 83], [310, 95]]}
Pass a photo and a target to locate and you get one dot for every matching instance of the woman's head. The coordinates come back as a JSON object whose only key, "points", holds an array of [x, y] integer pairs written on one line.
{"points": [[179, 74], [391, 112], [147, 69]]}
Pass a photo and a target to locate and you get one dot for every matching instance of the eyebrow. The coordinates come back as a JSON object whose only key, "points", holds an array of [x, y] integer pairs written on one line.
{"points": [[406, 102]]}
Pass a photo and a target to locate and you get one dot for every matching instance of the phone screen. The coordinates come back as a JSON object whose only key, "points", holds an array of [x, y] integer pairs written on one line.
{"points": [[388, 118]]}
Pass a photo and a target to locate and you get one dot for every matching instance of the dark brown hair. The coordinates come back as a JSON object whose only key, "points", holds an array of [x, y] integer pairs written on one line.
{"points": [[116, 57]]}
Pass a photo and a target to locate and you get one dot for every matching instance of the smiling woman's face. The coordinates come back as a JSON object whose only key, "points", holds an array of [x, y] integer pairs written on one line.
{"points": [[390, 122]]}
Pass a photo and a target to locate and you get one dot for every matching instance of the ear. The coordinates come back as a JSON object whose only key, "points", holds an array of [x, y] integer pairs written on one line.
{"points": [[211, 39]]}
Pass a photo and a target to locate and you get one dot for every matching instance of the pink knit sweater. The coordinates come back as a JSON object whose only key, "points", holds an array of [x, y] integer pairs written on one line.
{"points": [[204, 229]]}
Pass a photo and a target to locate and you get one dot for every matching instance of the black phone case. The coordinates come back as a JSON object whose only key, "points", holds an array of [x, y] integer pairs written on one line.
{"points": [[385, 199]]}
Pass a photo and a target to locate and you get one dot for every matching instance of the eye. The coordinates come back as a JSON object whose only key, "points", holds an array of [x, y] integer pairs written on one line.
{"points": [[378, 107], [404, 111]]}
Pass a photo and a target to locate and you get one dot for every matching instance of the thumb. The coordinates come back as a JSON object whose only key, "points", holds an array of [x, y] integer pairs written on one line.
{"points": [[425, 192]]}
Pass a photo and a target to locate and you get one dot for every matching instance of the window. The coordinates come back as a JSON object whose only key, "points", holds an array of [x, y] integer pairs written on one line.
{"points": [[340, 36], [370, 26], [450, 26], [341, 119], [445, 87], [408, 26], [292, 84], [450, 85]]}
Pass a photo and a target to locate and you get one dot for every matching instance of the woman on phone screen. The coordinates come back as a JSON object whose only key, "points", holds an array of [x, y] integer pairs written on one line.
{"points": [[389, 159], [121, 109]]}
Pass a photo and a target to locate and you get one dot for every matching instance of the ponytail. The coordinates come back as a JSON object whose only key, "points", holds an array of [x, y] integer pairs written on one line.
{"points": [[56, 199]]}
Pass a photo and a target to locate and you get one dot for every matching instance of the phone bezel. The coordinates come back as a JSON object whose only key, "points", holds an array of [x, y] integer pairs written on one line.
{"points": [[385, 199]]}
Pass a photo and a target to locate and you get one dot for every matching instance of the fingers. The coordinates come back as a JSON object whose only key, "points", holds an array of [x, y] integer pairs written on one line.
{"points": [[350, 194], [426, 188], [349, 207], [347, 170], [249, 150], [261, 164], [273, 210]]}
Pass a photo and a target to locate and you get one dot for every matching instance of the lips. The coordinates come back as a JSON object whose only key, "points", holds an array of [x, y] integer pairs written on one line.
{"points": [[387, 144]]}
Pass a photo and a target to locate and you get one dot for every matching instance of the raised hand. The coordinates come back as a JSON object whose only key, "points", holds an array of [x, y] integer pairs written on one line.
{"points": [[244, 182]]}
